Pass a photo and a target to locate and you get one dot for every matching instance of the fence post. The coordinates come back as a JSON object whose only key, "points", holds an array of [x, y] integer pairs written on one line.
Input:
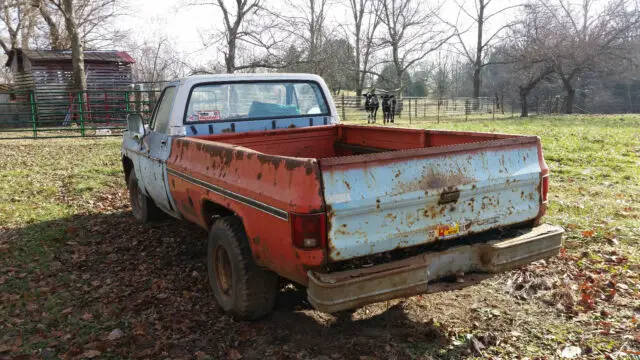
{"points": [[344, 114], [126, 101], [438, 116], [415, 109], [493, 112], [512, 104], [33, 114], [81, 107], [424, 112], [409, 111]]}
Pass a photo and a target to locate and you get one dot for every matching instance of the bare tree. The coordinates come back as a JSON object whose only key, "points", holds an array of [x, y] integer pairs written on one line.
{"points": [[529, 62], [307, 23], [157, 60], [16, 16], [363, 30], [581, 39], [67, 10], [412, 31], [93, 18], [250, 38], [477, 55]]}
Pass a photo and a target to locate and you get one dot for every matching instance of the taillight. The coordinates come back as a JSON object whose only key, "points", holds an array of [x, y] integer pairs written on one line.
{"points": [[309, 230], [545, 187]]}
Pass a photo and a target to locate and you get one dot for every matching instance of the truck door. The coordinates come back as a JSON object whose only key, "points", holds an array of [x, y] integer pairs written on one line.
{"points": [[156, 148]]}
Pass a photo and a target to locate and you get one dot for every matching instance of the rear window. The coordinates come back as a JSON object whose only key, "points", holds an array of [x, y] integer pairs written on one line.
{"points": [[250, 101]]}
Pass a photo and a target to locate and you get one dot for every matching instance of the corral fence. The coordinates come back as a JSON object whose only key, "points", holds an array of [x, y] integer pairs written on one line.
{"points": [[51, 114], [38, 114], [425, 109]]}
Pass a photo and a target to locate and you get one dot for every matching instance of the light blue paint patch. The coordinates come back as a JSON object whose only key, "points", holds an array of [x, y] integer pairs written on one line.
{"points": [[377, 208], [197, 129]]}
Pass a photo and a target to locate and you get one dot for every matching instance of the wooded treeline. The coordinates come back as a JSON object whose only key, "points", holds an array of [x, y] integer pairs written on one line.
{"points": [[562, 53]]}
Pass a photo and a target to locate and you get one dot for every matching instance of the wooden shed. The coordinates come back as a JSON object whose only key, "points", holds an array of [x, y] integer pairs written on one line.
{"points": [[45, 77]]}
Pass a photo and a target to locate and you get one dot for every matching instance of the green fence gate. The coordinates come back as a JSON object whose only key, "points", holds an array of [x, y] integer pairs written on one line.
{"points": [[54, 114]]}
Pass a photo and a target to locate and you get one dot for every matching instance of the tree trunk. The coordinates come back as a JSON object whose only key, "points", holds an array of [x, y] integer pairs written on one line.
{"points": [[476, 83], [54, 33], [477, 65], [77, 52], [571, 94], [524, 111]]}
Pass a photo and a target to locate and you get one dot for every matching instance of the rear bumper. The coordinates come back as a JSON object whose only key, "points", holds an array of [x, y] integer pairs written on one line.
{"points": [[417, 275]]}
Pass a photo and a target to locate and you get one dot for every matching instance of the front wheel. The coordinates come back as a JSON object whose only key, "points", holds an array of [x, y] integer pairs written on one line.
{"points": [[143, 208], [240, 286]]}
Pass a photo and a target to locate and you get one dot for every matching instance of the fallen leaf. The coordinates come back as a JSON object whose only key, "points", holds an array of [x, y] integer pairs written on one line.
{"points": [[115, 335], [570, 352], [66, 311], [588, 233], [89, 354], [477, 345], [234, 354]]}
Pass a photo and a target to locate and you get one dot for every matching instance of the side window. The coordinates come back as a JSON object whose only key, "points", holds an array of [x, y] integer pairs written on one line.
{"points": [[160, 121]]}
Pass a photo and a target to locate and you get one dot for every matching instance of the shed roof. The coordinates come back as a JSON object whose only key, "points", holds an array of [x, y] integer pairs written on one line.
{"points": [[111, 56]]}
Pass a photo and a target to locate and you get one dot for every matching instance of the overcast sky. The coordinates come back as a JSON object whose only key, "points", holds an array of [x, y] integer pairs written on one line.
{"points": [[185, 25]]}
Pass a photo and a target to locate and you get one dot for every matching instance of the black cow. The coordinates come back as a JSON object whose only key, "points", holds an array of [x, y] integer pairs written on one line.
{"points": [[371, 105], [388, 108]]}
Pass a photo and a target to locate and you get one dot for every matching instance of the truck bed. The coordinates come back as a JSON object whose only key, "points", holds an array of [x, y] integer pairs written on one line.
{"points": [[381, 188]]}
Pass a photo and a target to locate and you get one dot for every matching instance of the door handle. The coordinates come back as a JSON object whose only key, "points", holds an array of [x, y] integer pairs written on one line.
{"points": [[163, 142]]}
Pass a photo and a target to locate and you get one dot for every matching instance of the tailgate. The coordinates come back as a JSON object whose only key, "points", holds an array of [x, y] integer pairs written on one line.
{"points": [[389, 200]]}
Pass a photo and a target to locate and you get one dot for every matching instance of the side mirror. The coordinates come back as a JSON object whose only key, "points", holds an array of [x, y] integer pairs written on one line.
{"points": [[135, 125]]}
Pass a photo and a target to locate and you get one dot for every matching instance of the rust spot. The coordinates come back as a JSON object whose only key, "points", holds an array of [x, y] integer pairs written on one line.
{"points": [[391, 216], [377, 203], [259, 176], [256, 240], [291, 164], [227, 130], [347, 185], [433, 180], [292, 126], [190, 201], [173, 183]]}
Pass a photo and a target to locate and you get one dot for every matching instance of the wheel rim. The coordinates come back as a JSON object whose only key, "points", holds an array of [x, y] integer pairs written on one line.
{"points": [[222, 269]]}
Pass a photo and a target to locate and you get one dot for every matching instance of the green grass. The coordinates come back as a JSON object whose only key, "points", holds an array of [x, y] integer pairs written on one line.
{"points": [[48, 187]]}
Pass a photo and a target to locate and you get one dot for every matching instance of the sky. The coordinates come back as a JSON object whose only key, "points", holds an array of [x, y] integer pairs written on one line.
{"points": [[185, 26]]}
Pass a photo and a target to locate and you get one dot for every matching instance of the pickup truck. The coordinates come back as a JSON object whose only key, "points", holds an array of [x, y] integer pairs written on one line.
{"points": [[356, 214]]}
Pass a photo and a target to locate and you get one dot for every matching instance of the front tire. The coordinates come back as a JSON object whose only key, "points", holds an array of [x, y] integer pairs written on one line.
{"points": [[239, 285], [143, 208]]}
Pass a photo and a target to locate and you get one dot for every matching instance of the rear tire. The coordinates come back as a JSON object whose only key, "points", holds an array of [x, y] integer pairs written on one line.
{"points": [[240, 287], [143, 208]]}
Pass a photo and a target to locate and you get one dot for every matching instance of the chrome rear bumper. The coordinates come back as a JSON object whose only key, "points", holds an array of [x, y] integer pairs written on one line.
{"points": [[416, 275]]}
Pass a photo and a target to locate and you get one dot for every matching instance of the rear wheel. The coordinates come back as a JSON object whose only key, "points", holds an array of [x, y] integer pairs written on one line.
{"points": [[240, 287], [143, 208]]}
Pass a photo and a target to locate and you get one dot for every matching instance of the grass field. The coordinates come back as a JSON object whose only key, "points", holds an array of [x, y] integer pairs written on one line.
{"points": [[79, 278]]}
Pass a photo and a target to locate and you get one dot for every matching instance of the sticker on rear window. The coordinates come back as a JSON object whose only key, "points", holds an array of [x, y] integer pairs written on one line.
{"points": [[208, 115]]}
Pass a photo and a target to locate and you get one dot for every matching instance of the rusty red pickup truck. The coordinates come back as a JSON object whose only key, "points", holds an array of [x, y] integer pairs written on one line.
{"points": [[356, 214]]}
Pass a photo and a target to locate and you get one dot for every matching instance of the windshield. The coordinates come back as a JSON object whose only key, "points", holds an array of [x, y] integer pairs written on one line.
{"points": [[249, 101]]}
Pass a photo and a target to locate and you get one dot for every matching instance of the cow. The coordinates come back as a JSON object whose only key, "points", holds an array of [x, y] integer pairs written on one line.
{"points": [[371, 105], [388, 108]]}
